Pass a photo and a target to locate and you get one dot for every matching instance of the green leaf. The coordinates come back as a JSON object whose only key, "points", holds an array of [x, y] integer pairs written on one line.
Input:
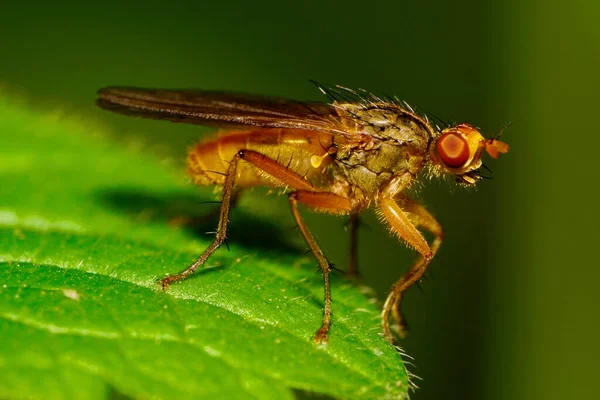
{"points": [[85, 232]]}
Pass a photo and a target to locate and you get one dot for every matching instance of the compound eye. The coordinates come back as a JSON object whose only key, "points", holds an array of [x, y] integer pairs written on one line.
{"points": [[453, 150]]}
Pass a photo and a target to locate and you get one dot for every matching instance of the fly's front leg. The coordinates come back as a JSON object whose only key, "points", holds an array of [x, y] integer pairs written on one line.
{"points": [[324, 202], [401, 225], [421, 219]]}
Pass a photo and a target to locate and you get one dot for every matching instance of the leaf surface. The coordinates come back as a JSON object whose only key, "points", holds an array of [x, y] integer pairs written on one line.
{"points": [[86, 228]]}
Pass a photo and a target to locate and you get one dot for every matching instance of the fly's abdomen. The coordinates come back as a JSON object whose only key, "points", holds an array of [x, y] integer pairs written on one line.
{"points": [[298, 150]]}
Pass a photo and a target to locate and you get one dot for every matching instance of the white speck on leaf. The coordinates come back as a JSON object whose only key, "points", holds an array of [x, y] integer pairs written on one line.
{"points": [[211, 352], [71, 294]]}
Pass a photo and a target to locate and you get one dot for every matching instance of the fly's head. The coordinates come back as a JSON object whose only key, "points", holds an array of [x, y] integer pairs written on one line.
{"points": [[458, 149]]}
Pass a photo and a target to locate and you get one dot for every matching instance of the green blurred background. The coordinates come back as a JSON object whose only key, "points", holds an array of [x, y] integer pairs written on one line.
{"points": [[510, 307]]}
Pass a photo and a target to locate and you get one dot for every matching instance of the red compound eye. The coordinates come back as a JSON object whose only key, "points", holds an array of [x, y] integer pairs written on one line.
{"points": [[453, 150]]}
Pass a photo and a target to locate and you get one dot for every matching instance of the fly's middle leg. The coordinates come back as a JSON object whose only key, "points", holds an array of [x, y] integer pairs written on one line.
{"points": [[324, 202], [400, 224]]}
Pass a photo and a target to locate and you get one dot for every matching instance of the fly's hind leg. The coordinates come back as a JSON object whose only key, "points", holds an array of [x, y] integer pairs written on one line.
{"points": [[228, 199], [260, 161], [323, 202], [401, 224]]}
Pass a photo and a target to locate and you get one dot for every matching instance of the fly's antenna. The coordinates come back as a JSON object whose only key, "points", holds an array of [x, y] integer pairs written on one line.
{"points": [[506, 126]]}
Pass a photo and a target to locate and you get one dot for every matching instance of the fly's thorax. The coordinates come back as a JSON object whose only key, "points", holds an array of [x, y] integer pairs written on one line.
{"points": [[391, 142]]}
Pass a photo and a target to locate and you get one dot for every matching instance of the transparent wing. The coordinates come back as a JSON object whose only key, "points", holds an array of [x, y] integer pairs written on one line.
{"points": [[215, 108]]}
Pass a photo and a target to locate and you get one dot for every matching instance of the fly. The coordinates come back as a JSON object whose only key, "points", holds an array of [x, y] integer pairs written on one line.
{"points": [[360, 151]]}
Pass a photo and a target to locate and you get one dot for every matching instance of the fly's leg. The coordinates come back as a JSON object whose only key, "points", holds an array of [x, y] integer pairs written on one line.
{"points": [[215, 212], [421, 219], [260, 161], [226, 205], [353, 262], [305, 193], [401, 225], [324, 202]]}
